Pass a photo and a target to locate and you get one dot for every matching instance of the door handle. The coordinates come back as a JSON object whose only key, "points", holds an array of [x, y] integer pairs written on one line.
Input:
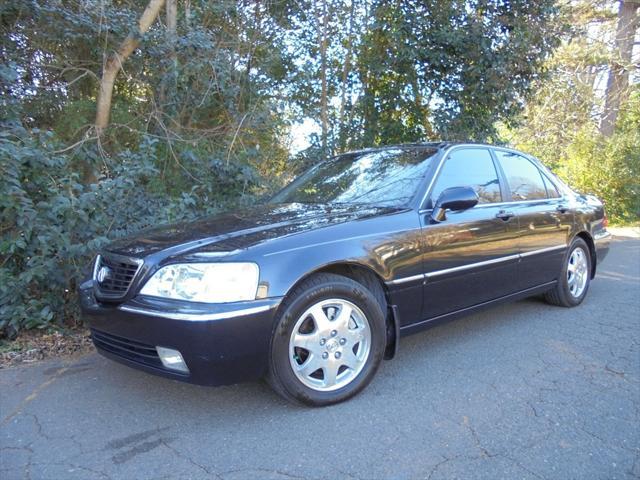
{"points": [[562, 208], [504, 215]]}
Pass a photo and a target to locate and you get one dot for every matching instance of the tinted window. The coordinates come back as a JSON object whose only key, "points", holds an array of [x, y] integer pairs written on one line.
{"points": [[523, 177], [381, 177], [552, 191], [473, 168]]}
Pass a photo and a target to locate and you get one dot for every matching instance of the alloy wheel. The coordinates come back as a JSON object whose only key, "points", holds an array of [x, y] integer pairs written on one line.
{"points": [[330, 344], [577, 272]]}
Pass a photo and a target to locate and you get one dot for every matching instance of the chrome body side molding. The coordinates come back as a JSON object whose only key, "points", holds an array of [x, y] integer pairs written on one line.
{"points": [[470, 266]]}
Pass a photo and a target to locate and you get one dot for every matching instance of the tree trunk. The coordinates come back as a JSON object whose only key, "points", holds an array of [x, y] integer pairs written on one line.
{"points": [[172, 25], [323, 75], [114, 62], [187, 14], [345, 75], [172, 16], [170, 76], [618, 83], [245, 92]]}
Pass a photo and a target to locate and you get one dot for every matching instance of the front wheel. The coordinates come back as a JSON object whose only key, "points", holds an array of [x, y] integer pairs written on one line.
{"points": [[328, 342], [575, 277]]}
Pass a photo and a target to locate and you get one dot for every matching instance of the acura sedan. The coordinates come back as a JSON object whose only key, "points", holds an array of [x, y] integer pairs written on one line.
{"points": [[312, 289]]}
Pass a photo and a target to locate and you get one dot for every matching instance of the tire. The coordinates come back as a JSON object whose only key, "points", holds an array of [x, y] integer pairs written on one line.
{"points": [[335, 324], [575, 276]]}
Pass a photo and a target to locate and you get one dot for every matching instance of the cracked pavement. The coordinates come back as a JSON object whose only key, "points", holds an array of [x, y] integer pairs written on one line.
{"points": [[521, 391]]}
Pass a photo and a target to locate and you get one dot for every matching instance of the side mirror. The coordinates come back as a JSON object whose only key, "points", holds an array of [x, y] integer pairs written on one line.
{"points": [[454, 199]]}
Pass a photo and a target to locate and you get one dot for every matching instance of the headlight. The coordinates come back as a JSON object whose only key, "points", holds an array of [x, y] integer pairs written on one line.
{"points": [[205, 282]]}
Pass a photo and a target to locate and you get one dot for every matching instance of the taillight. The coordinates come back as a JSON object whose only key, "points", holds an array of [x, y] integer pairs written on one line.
{"points": [[605, 221]]}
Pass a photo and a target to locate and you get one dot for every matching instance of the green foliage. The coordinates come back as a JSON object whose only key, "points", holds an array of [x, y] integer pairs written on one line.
{"points": [[560, 124], [194, 128], [199, 115], [52, 224], [449, 69], [609, 167]]}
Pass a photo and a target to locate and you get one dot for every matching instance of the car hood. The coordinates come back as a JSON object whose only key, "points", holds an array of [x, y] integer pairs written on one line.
{"points": [[241, 229]]}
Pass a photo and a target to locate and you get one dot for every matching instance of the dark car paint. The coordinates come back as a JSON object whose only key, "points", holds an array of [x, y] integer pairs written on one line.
{"points": [[240, 229], [467, 237], [231, 236], [218, 351], [430, 271]]}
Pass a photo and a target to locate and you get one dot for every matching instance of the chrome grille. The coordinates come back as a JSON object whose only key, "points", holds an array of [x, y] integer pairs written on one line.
{"points": [[113, 274]]}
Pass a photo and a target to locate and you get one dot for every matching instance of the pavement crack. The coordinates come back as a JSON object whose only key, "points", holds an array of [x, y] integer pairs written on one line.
{"points": [[349, 475], [528, 470], [38, 425], [27, 448], [282, 473], [188, 458], [604, 442], [476, 439], [92, 470], [435, 468], [34, 394], [615, 372]]}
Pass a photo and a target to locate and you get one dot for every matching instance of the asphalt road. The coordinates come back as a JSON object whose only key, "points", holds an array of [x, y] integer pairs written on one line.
{"points": [[520, 391]]}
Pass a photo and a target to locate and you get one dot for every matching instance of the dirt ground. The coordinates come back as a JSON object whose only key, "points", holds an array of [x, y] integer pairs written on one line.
{"points": [[35, 345]]}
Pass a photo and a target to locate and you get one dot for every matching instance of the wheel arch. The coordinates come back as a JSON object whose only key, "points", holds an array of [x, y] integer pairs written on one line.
{"points": [[588, 239], [369, 278]]}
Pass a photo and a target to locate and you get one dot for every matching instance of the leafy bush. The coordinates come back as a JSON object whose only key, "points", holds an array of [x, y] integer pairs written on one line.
{"points": [[52, 224], [608, 167]]}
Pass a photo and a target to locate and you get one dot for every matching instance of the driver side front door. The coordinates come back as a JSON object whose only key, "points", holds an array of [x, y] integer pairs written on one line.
{"points": [[471, 256]]}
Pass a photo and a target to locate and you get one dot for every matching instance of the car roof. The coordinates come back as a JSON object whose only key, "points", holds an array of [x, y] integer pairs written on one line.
{"points": [[436, 145]]}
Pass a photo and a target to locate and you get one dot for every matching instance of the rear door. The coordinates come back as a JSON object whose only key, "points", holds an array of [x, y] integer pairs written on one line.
{"points": [[544, 219], [470, 257]]}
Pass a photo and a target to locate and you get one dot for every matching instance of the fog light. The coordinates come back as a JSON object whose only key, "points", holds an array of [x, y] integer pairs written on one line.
{"points": [[172, 359]]}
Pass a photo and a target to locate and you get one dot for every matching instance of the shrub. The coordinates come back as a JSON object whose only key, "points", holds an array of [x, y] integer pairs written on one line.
{"points": [[609, 167], [52, 224]]}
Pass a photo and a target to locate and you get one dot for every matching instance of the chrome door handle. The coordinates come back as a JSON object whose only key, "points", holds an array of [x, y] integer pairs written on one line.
{"points": [[504, 215]]}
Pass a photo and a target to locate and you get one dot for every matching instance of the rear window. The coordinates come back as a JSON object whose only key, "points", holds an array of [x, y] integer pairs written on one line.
{"points": [[523, 177], [552, 191]]}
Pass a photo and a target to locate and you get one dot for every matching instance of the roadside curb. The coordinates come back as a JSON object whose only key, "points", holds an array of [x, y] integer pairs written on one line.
{"points": [[627, 232]]}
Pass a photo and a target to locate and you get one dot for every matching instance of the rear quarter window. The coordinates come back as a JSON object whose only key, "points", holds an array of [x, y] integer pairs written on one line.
{"points": [[523, 177], [552, 191]]}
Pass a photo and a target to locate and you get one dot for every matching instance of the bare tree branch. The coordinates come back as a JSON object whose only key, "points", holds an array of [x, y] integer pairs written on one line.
{"points": [[114, 62]]}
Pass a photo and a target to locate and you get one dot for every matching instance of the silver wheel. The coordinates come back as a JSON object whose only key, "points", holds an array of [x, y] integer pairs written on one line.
{"points": [[577, 272], [330, 345]]}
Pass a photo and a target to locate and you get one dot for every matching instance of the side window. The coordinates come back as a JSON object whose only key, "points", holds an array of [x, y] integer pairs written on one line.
{"points": [[552, 191], [472, 167], [524, 178]]}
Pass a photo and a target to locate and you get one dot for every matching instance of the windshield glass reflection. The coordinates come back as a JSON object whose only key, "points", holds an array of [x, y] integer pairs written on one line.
{"points": [[382, 177]]}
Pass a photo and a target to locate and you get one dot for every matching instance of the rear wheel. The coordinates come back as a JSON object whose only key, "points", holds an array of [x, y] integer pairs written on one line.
{"points": [[328, 342], [575, 276]]}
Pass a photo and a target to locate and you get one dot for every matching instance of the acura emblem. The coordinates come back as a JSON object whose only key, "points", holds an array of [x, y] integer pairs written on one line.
{"points": [[103, 274]]}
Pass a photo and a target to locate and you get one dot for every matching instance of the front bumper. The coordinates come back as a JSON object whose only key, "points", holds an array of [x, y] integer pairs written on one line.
{"points": [[221, 344]]}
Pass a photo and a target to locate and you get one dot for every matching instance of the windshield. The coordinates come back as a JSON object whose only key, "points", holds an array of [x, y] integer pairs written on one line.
{"points": [[383, 177]]}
